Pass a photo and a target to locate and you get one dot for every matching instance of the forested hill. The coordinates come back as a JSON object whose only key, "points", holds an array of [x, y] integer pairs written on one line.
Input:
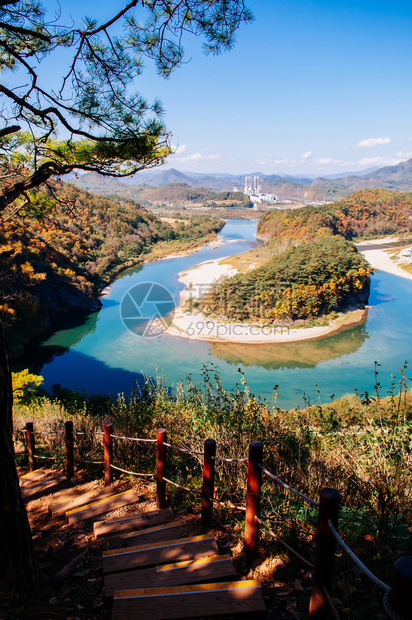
{"points": [[59, 252], [362, 215]]}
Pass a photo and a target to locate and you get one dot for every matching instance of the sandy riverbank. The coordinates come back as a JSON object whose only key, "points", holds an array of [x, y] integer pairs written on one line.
{"points": [[196, 326], [380, 258]]}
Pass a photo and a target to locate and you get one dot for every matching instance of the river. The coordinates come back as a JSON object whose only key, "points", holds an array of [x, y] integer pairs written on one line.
{"points": [[99, 354]]}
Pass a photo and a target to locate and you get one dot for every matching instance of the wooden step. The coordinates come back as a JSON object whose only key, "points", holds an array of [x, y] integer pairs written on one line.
{"points": [[159, 553], [75, 499], [34, 476], [107, 504], [43, 485], [115, 526], [191, 601], [180, 573], [177, 529]]}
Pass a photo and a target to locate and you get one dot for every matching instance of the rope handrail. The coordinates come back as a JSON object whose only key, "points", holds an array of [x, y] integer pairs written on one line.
{"points": [[51, 458], [282, 542], [357, 561], [133, 438], [89, 462], [131, 473], [179, 486], [287, 487], [88, 433], [215, 501], [169, 445], [228, 504], [48, 432], [19, 430], [227, 460], [387, 605]]}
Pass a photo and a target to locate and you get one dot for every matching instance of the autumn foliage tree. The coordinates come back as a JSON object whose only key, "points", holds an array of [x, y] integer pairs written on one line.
{"points": [[89, 121]]}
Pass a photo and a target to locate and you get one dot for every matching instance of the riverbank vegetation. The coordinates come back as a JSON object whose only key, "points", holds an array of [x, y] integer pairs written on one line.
{"points": [[58, 252], [366, 214], [303, 282], [359, 444]]}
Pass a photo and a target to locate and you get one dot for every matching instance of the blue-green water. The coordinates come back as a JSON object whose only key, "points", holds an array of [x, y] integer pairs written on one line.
{"points": [[100, 355]]}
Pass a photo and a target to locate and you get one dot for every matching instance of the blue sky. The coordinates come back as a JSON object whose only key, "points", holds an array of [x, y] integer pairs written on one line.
{"points": [[314, 87]]}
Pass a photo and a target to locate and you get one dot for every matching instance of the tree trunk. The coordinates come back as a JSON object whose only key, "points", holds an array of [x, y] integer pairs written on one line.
{"points": [[19, 569]]}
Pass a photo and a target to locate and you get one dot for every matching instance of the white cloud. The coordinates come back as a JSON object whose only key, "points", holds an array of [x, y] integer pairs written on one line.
{"points": [[371, 142], [324, 161], [306, 155], [178, 150], [273, 161], [199, 157], [379, 161]]}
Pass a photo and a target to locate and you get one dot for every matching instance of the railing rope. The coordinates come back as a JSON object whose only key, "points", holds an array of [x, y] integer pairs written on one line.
{"points": [[227, 460], [131, 473], [357, 561], [324, 554], [142, 439], [284, 544], [184, 450], [312, 502], [180, 486]]}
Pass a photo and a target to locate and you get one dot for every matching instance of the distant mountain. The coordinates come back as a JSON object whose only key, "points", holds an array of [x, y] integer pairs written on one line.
{"points": [[176, 184], [394, 178], [165, 177], [359, 173]]}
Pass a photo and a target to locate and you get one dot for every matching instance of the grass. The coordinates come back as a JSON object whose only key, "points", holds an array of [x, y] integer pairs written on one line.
{"points": [[248, 260]]}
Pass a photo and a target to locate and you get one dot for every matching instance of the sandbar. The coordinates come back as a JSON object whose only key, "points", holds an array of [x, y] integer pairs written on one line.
{"points": [[198, 280], [380, 259], [196, 326]]}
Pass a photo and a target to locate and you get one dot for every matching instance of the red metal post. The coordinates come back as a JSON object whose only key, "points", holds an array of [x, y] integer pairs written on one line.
{"points": [[108, 453], [324, 554], [30, 445], [208, 484], [254, 483], [400, 595], [69, 449], [161, 468]]}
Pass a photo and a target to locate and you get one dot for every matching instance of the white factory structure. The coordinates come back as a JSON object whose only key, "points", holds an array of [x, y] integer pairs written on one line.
{"points": [[253, 189]]}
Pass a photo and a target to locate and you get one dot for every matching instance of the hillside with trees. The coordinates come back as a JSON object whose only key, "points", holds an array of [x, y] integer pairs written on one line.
{"points": [[59, 259], [363, 215], [181, 191], [315, 268]]}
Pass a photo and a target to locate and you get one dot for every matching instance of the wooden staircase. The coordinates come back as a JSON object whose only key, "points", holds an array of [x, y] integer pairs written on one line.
{"points": [[163, 568]]}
